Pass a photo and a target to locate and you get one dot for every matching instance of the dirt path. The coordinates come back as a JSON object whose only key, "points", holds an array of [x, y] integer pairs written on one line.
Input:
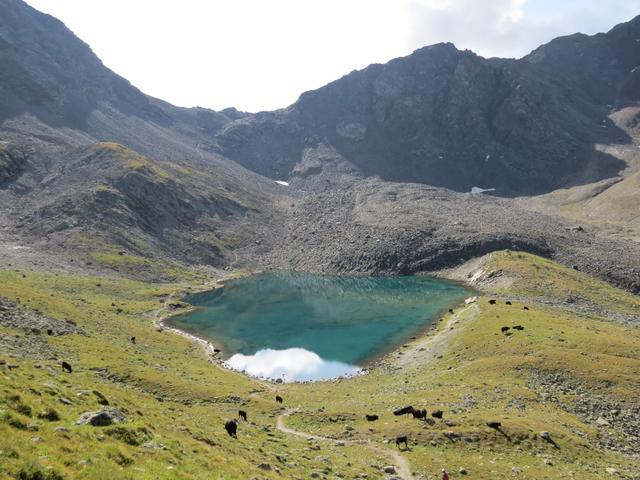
{"points": [[426, 349], [403, 467]]}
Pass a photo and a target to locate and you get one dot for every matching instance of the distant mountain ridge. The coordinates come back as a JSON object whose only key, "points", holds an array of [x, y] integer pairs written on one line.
{"points": [[450, 118], [439, 116]]}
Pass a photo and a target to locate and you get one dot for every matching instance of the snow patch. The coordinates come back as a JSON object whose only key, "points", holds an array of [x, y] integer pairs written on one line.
{"points": [[482, 190], [282, 182]]}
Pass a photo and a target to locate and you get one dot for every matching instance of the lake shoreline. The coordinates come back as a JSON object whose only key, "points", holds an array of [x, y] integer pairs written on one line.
{"points": [[218, 353]]}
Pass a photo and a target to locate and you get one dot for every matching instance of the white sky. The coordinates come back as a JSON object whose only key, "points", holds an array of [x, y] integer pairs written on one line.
{"points": [[261, 54]]}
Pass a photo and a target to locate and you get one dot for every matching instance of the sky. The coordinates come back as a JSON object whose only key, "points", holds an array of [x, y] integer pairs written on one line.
{"points": [[262, 54]]}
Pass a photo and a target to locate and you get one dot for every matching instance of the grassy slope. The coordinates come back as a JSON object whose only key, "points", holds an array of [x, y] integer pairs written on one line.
{"points": [[481, 375]]}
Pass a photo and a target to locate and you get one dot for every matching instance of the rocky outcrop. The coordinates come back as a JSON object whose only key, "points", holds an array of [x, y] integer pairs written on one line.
{"points": [[101, 418], [12, 163]]}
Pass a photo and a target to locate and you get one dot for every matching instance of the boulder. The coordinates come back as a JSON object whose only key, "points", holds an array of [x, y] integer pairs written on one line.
{"points": [[101, 418]]}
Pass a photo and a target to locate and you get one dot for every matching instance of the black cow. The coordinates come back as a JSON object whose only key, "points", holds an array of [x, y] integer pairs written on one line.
{"points": [[371, 418], [66, 367], [494, 425], [279, 399], [518, 327], [492, 302], [403, 411], [525, 307], [436, 414], [419, 413], [451, 310], [133, 340], [402, 439], [505, 329], [507, 302], [242, 414], [50, 332], [231, 427]]}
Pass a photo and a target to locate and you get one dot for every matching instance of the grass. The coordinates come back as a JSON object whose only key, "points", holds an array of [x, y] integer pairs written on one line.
{"points": [[536, 277], [176, 401], [133, 160]]}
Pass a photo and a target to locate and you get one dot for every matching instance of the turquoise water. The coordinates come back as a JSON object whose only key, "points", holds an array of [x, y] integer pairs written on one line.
{"points": [[305, 327]]}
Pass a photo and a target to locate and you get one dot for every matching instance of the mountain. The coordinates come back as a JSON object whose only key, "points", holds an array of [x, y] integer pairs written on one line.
{"points": [[450, 118], [84, 153], [96, 173]]}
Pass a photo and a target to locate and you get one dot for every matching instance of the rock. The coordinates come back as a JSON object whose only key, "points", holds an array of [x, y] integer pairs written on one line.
{"points": [[389, 469], [545, 435], [265, 466], [153, 445], [602, 422], [462, 471], [612, 471], [101, 418]]}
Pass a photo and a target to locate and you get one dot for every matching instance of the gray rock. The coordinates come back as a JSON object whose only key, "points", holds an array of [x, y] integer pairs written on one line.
{"points": [[101, 418]]}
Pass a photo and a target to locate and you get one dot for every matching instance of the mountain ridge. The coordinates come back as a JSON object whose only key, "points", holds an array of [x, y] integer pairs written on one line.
{"points": [[163, 183]]}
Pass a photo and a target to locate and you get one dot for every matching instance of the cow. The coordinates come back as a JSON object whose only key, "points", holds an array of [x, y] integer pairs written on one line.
{"points": [[50, 332], [505, 329], [66, 367], [507, 302], [525, 308], [403, 411], [419, 413], [242, 414], [133, 340], [371, 418], [231, 427], [494, 425], [451, 310], [279, 399], [436, 414], [402, 439], [518, 327], [492, 302]]}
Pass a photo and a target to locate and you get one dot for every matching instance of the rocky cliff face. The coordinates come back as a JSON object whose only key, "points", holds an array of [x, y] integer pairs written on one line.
{"points": [[450, 118]]}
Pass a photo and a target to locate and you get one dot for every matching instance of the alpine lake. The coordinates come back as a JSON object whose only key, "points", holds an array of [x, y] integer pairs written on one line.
{"points": [[299, 327]]}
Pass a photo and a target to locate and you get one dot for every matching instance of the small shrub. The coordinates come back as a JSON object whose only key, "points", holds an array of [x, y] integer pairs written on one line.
{"points": [[23, 409], [129, 436], [121, 459], [31, 471], [15, 402], [14, 422], [102, 400], [49, 414]]}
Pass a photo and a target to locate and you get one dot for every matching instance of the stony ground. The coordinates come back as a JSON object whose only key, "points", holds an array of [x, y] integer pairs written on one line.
{"points": [[385, 228]]}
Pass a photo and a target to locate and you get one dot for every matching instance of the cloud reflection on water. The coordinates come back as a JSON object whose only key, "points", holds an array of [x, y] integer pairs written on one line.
{"points": [[292, 365]]}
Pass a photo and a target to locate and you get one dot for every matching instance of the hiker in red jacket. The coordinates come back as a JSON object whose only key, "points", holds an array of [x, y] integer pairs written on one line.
{"points": [[445, 475]]}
